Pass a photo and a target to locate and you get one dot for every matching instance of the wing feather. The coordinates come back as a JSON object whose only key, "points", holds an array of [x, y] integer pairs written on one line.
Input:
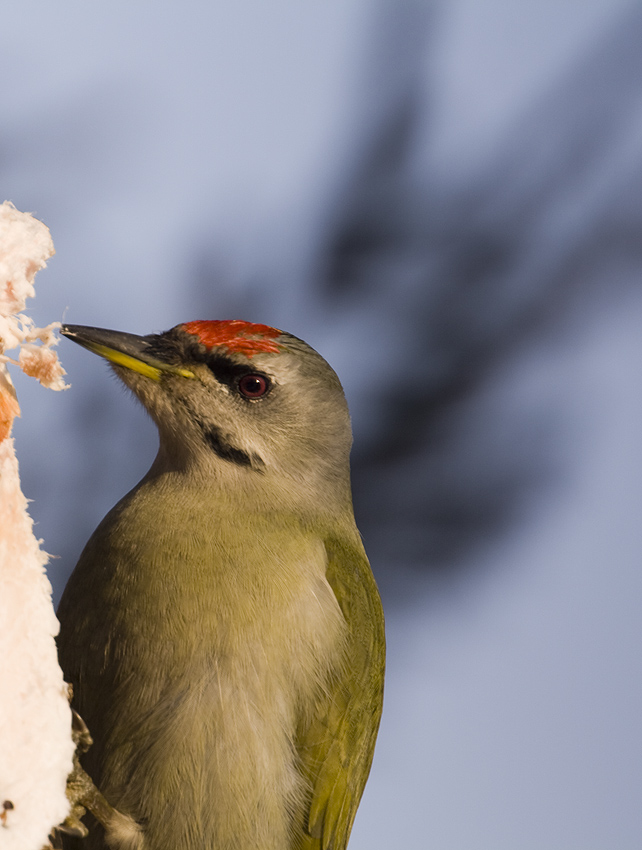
{"points": [[336, 748]]}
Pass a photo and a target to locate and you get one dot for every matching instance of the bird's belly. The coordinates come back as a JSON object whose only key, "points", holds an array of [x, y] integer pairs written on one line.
{"points": [[198, 743], [212, 763]]}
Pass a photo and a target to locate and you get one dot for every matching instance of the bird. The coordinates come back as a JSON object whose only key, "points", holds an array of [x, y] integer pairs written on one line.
{"points": [[222, 630]]}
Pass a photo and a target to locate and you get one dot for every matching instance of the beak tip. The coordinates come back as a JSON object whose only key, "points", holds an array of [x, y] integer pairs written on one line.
{"points": [[69, 330]]}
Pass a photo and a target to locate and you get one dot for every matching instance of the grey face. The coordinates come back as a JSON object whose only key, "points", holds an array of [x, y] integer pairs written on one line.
{"points": [[279, 413]]}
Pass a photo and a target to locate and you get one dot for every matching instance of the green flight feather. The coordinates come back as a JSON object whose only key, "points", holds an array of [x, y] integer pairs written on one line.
{"points": [[336, 748]]}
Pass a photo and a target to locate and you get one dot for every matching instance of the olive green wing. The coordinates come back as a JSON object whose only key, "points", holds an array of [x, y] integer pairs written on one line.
{"points": [[336, 749]]}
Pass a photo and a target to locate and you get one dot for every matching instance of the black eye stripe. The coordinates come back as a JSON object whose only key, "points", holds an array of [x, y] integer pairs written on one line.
{"points": [[175, 350], [225, 371], [238, 377]]}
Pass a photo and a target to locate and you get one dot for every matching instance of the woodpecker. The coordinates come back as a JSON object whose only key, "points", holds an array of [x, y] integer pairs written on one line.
{"points": [[222, 630]]}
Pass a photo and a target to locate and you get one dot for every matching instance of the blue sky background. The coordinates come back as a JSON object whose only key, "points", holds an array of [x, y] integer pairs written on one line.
{"points": [[445, 199]]}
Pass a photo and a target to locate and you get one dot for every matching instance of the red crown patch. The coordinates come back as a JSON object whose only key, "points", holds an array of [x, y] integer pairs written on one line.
{"points": [[239, 337]]}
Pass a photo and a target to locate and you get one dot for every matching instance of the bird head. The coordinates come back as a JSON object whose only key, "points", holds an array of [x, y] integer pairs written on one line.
{"points": [[238, 404]]}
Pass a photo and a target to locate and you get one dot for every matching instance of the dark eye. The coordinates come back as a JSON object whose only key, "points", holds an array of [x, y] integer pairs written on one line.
{"points": [[253, 386]]}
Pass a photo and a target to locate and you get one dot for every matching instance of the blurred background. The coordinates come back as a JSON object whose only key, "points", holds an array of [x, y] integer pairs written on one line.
{"points": [[445, 199]]}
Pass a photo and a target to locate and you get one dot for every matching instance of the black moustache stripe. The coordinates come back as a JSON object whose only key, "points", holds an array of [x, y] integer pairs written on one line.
{"points": [[219, 443], [226, 451]]}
